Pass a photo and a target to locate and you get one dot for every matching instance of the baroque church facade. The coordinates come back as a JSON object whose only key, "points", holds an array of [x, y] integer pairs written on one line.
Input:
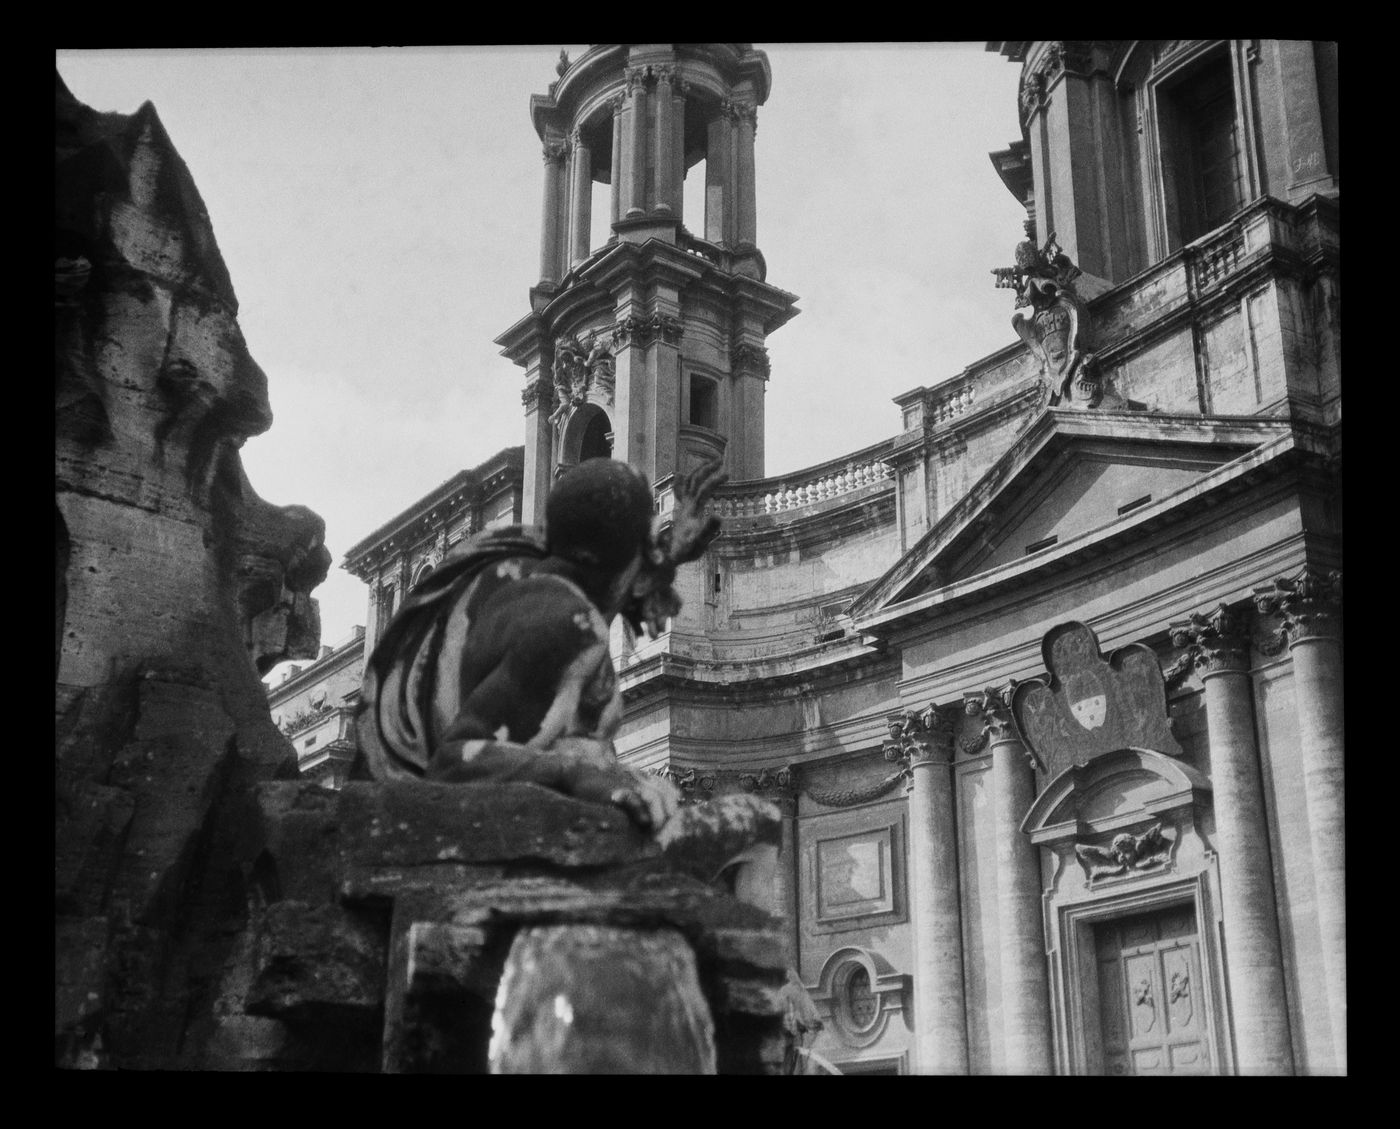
{"points": [[1048, 684]]}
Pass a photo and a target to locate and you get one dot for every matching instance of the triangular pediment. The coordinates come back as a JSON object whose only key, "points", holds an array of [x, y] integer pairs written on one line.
{"points": [[1069, 476]]}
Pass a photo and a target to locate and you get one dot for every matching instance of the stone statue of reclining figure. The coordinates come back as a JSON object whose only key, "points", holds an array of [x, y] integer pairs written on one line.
{"points": [[496, 667]]}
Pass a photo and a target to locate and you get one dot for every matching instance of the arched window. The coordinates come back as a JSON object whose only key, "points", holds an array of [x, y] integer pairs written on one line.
{"points": [[597, 439], [704, 402]]}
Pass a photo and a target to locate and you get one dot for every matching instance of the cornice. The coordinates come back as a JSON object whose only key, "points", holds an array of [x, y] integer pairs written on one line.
{"points": [[688, 680], [465, 489], [1238, 475]]}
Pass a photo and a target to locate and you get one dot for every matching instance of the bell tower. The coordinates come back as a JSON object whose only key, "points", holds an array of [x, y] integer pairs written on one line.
{"points": [[650, 347]]}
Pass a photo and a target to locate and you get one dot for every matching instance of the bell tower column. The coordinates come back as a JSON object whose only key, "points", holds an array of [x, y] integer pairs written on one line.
{"points": [[581, 199], [550, 241]]}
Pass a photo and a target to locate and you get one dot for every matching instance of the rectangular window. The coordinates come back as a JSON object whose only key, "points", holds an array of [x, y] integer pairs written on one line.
{"points": [[704, 403], [1037, 546], [1136, 503], [1201, 149]]}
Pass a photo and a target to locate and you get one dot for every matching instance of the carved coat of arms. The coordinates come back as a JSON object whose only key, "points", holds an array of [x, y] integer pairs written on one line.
{"points": [[1057, 329], [1091, 705]]}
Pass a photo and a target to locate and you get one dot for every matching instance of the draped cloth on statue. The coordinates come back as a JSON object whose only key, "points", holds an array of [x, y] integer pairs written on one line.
{"points": [[485, 649]]}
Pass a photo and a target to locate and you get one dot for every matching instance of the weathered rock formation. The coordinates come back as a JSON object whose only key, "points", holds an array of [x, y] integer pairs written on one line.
{"points": [[175, 586]]}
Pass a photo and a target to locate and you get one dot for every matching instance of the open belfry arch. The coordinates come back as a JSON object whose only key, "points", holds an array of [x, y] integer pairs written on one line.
{"points": [[654, 340]]}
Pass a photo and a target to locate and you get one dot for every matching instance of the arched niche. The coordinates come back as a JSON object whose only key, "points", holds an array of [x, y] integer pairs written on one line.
{"points": [[1125, 838], [857, 994], [587, 434]]}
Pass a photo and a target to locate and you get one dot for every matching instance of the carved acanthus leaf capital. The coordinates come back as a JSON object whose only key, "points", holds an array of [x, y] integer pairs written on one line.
{"points": [[1216, 642], [554, 149], [922, 737], [1309, 605], [536, 393], [750, 358], [993, 705]]}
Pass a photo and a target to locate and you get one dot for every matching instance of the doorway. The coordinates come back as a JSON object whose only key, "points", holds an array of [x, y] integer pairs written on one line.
{"points": [[1152, 1002]]}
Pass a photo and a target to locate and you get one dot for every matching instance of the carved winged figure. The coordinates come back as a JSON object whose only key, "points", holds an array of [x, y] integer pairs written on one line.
{"points": [[1126, 852]]}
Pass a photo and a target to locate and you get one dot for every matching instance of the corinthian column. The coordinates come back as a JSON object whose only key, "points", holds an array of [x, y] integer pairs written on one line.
{"points": [[637, 150], [1025, 990], [925, 743], [550, 270], [665, 142], [1311, 609], [745, 188], [581, 209], [1253, 957], [617, 158]]}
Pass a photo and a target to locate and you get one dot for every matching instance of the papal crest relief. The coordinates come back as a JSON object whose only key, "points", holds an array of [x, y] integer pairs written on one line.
{"points": [[1091, 705]]}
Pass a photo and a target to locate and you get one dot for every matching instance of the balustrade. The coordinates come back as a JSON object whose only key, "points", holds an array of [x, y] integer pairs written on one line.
{"points": [[756, 499]]}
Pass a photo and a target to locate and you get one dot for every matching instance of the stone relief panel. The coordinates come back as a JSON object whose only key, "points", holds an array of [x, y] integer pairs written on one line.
{"points": [[855, 875], [852, 872]]}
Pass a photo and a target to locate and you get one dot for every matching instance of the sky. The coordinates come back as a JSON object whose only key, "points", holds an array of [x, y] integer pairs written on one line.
{"points": [[379, 214]]}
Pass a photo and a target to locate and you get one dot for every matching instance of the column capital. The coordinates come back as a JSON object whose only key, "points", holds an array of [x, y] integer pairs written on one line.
{"points": [[748, 358], [1215, 643], [554, 149], [636, 78], [575, 138], [922, 737], [737, 111], [993, 706], [1310, 604], [536, 394]]}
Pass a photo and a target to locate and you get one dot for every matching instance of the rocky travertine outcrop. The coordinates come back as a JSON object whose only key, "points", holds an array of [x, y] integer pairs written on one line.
{"points": [[175, 586], [415, 927]]}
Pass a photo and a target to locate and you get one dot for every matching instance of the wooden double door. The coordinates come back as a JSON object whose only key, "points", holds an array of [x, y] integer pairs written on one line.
{"points": [[1152, 999]]}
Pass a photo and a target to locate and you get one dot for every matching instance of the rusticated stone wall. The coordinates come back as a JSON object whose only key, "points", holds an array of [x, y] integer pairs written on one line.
{"points": [[175, 586]]}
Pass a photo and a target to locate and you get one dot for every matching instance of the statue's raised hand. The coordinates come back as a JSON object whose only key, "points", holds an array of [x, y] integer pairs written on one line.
{"points": [[692, 528]]}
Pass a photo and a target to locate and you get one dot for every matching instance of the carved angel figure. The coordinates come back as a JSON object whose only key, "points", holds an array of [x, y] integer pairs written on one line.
{"points": [[570, 376], [1126, 852]]}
